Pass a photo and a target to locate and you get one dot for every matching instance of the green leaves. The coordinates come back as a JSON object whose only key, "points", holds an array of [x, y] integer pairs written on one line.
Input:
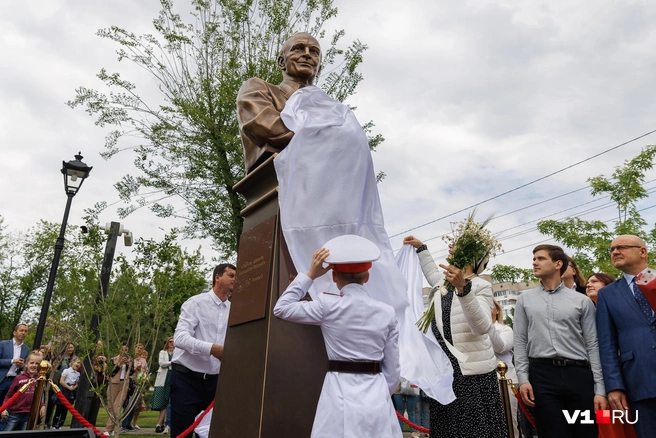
{"points": [[625, 187], [591, 239], [512, 274]]}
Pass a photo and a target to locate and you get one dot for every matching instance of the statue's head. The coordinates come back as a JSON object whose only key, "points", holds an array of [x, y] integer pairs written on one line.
{"points": [[300, 58]]}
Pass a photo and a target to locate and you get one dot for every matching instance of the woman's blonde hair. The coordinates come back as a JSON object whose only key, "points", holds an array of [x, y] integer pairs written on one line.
{"points": [[166, 344], [499, 311]]}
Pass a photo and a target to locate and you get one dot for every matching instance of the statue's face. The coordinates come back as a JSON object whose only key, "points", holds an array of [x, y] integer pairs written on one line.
{"points": [[301, 56]]}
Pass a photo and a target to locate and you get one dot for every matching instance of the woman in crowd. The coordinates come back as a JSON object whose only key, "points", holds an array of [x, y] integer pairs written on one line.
{"points": [[163, 386], [142, 378], [460, 320], [100, 364], [68, 383], [616, 430], [46, 352], [59, 364], [573, 277], [503, 342], [405, 398], [595, 282]]}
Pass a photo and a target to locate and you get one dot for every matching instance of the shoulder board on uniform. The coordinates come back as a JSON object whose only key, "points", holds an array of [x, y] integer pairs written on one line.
{"points": [[334, 294]]}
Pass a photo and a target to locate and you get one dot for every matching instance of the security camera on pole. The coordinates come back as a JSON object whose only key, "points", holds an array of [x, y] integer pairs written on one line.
{"points": [[88, 402]]}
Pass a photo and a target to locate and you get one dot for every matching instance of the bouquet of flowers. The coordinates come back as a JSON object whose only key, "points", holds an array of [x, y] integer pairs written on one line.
{"points": [[471, 244]]}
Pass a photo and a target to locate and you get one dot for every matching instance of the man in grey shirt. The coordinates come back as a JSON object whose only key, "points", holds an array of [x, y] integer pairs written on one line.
{"points": [[558, 365]]}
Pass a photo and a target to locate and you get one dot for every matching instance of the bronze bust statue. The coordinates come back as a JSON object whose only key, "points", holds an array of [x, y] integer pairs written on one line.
{"points": [[259, 103]]}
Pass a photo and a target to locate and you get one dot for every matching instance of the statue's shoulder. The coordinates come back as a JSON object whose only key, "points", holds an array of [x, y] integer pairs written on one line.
{"points": [[255, 84]]}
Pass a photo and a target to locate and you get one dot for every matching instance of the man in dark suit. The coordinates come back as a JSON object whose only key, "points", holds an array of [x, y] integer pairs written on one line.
{"points": [[13, 353], [626, 327]]}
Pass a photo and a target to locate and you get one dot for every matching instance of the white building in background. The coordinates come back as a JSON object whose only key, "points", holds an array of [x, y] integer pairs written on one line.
{"points": [[505, 293]]}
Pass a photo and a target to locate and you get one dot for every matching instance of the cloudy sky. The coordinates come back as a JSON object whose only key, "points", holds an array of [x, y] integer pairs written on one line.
{"points": [[474, 98]]}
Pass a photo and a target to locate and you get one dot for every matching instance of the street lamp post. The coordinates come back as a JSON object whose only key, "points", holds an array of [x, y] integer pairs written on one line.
{"points": [[75, 172]]}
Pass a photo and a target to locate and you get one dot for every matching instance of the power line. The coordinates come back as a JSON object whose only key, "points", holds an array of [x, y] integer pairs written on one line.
{"points": [[580, 213], [518, 210], [530, 230], [524, 185], [542, 241], [648, 190]]}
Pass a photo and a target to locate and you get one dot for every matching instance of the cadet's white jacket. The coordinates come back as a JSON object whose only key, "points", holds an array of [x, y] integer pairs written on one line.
{"points": [[355, 327]]}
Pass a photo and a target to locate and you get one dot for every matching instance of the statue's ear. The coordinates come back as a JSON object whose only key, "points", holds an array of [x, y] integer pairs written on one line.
{"points": [[281, 62]]}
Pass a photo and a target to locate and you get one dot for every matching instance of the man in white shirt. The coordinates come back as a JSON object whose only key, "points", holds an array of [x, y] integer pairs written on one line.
{"points": [[13, 353], [199, 338]]}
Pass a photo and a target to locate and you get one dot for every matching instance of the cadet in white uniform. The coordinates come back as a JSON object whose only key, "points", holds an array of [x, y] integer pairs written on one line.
{"points": [[361, 337]]}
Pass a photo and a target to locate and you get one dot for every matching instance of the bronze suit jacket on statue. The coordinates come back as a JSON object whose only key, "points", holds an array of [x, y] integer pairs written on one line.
{"points": [[259, 105]]}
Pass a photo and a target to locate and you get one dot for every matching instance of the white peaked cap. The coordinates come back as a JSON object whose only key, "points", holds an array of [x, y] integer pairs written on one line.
{"points": [[351, 253]]}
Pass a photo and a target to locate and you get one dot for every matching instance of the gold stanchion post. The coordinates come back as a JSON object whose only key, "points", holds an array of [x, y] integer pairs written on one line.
{"points": [[502, 368], [44, 369]]}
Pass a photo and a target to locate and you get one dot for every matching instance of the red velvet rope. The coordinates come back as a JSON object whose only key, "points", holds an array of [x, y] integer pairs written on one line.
{"points": [[411, 424], [10, 401], [197, 422], [524, 409], [62, 398]]}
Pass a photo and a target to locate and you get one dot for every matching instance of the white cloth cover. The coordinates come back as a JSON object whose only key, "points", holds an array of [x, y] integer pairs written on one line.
{"points": [[203, 428], [327, 188], [423, 362]]}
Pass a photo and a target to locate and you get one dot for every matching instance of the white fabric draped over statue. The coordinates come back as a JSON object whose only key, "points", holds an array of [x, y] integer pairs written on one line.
{"points": [[422, 360], [327, 188]]}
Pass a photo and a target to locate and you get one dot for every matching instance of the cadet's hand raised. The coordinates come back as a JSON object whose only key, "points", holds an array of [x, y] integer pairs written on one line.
{"points": [[316, 265]]}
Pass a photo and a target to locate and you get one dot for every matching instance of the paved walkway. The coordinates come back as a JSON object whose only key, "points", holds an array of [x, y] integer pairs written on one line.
{"points": [[151, 430]]}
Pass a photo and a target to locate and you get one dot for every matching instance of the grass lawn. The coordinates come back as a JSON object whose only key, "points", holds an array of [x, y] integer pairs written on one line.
{"points": [[147, 419]]}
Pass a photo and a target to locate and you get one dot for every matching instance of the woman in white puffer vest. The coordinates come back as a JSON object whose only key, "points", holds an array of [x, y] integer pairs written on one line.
{"points": [[462, 309]]}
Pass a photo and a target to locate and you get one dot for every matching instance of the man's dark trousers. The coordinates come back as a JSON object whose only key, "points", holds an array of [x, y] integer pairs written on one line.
{"points": [[646, 424], [558, 388], [191, 394]]}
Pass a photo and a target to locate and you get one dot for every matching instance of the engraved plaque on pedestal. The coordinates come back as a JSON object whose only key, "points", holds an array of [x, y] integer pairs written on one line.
{"points": [[272, 370], [249, 297]]}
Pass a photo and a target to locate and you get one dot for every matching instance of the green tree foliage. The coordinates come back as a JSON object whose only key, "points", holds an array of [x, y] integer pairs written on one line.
{"points": [[591, 239], [24, 267], [143, 299], [189, 140], [510, 318], [511, 274], [146, 293]]}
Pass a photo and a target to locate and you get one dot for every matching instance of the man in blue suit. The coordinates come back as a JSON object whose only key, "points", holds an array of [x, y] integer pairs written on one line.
{"points": [[13, 353], [626, 327]]}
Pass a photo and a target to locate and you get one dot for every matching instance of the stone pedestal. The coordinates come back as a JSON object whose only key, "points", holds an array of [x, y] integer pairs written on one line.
{"points": [[272, 370]]}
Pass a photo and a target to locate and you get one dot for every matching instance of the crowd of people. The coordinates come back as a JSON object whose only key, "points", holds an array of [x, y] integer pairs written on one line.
{"points": [[126, 379], [576, 345], [579, 346]]}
